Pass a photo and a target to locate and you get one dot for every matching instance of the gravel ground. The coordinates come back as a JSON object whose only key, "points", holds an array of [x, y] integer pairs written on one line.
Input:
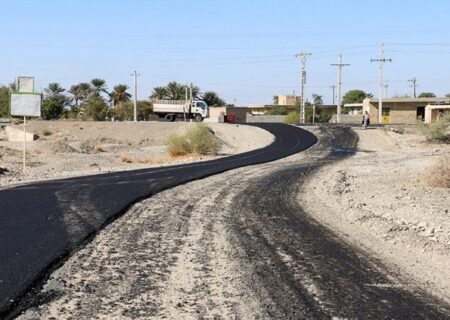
{"points": [[379, 199]]}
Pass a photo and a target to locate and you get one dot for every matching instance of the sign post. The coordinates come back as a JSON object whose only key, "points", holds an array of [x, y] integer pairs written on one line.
{"points": [[25, 103]]}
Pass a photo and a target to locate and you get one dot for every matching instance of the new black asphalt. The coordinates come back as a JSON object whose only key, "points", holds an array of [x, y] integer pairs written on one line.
{"points": [[42, 223]]}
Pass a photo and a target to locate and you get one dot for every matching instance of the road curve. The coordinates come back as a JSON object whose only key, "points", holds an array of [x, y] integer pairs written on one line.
{"points": [[42, 223]]}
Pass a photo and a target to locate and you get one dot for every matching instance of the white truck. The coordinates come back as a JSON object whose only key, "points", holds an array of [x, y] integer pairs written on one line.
{"points": [[171, 109]]}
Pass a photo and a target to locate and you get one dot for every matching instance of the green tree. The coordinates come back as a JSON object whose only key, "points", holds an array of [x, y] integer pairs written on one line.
{"points": [[53, 106], [159, 93], [317, 99], [54, 101], [125, 110], [54, 89], [4, 101], [427, 95], [120, 94], [355, 96], [275, 99], [174, 91], [98, 86], [212, 99], [95, 108]]}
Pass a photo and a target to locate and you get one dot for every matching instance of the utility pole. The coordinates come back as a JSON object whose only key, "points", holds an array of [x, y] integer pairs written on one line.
{"points": [[414, 85], [381, 60], [386, 88], [334, 95], [339, 85], [135, 74], [303, 56]]}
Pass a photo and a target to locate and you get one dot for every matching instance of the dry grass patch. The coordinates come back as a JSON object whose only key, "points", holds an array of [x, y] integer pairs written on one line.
{"points": [[126, 158], [439, 176], [199, 140]]}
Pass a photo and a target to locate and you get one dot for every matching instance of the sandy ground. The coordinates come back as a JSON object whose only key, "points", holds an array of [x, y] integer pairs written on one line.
{"points": [[67, 148], [379, 199]]}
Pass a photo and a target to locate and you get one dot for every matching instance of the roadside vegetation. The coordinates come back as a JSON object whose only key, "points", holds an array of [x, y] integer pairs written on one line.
{"points": [[199, 140], [439, 176], [437, 131], [93, 101]]}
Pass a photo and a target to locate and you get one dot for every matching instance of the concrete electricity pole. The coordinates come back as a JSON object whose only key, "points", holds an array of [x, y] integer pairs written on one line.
{"points": [[339, 85], [381, 60], [303, 57], [334, 95], [386, 88], [414, 85], [135, 74]]}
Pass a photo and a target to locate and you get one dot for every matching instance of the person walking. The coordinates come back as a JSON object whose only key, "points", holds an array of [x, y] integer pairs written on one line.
{"points": [[365, 120]]}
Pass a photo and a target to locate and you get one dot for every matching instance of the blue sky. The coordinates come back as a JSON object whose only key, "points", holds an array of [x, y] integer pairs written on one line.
{"points": [[244, 50]]}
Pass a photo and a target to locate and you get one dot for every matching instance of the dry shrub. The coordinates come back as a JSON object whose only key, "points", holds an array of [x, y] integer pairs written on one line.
{"points": [[202, 140], [436, 131], [126, 158], [439, 175], [292, 117], [151, 160], [199, 139], [178, 146]]}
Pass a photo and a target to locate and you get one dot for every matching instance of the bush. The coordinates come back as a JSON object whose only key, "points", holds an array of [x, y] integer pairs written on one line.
{"points": [[199, 139], [202, 140], [95, 108], [178, 146], [436, 131], [278, 111], [439, 175], [292, 117]]}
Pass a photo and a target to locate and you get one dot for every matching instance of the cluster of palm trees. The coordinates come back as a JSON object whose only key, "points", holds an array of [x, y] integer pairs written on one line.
{"points": [[92, 99], [176, 91], [83, 90]]}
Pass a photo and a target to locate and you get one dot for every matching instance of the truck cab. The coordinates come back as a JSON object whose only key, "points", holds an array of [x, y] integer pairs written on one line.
{"points": [[199, 107]]}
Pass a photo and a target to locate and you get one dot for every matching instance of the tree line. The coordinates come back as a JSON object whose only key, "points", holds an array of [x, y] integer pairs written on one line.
{"points": [[92, 100]]}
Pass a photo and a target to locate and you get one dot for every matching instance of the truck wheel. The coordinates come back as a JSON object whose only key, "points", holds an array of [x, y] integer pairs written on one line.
{"points": [[170, 117], [198, 118]]}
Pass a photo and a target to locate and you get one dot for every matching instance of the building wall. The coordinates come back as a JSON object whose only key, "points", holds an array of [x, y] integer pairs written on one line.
{"points": [[240, 113], [287, 100], [400, 112], [269, 119]]}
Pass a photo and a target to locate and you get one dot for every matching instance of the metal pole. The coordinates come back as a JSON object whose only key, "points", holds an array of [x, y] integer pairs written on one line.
{"points": [[339, 85], [24, 143], [135, 96], [380, 99], [414, 85], [334, 96], [381, 60], [303, 57], [186, 98], [314, 113]]}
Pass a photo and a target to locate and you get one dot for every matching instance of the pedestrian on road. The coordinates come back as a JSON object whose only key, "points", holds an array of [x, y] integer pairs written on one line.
{"points": [[365, 120]]}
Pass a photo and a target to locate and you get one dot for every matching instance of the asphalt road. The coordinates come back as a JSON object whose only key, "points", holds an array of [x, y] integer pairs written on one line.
{"points": [[42, 223]]}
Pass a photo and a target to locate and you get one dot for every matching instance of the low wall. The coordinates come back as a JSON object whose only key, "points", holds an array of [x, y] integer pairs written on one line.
{"points": [[270, 119]]}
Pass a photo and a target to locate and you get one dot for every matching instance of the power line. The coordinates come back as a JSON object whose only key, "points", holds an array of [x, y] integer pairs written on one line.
{"points": [[381, 60], [339, 85], [303, 57]]}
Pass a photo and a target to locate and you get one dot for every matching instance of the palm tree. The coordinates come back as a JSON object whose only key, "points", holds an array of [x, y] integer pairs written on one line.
{"points": [[98, 85], [120, 94], [212, 99], [159, 93], [80, 91], [54, 89]]}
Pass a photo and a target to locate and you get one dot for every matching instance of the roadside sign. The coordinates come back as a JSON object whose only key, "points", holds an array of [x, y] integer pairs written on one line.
{"points": [[25, 84], [26, 104]]}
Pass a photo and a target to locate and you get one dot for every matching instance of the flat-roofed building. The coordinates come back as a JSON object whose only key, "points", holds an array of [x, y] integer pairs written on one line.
{"points": [[400, 110]]}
